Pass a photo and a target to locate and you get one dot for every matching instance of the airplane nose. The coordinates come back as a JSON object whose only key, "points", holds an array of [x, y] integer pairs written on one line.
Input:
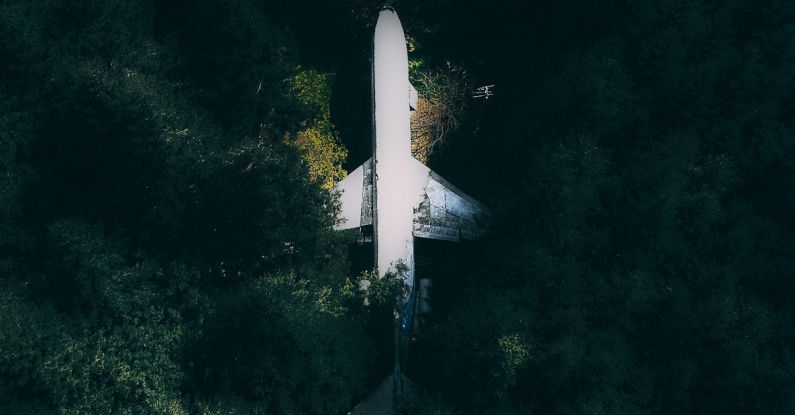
{"points": [[388, 22], [387, 13]]}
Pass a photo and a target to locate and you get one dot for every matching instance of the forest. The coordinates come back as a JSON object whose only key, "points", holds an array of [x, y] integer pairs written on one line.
{"points": [[166, 207]]}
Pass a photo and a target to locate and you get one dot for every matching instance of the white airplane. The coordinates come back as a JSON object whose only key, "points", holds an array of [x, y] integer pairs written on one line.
{"points": [[399, 196]]}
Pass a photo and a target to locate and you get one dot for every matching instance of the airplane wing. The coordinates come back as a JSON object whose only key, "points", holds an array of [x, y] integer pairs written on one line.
{"points": [[445, 212], [356, 198]]}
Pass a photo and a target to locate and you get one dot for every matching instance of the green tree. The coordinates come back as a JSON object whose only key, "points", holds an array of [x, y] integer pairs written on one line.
{"points": [[152, 211], [638, 261], [318, 141]]}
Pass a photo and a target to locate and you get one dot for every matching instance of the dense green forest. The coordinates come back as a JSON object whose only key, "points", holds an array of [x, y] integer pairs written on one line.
{"points": [[166, 207]]}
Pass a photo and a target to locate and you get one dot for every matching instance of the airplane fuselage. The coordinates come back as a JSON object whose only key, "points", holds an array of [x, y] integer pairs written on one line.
{"points": [[394, 196]]}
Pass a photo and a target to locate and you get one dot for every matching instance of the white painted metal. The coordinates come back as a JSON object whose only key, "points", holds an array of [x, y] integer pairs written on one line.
{"points": [[392, 191], [395, 197], [350, 190], [408, 199], [412, 97]]}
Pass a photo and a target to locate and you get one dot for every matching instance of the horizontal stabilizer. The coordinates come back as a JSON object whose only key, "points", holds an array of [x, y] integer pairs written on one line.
{"points": [[383, 400]]}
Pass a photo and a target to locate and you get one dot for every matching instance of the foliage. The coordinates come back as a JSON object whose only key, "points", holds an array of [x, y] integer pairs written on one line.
{"points": [[278, 342], [443, 100], [639, 260], [422, 404], [165, 219], [318, 142], [162, 248]]}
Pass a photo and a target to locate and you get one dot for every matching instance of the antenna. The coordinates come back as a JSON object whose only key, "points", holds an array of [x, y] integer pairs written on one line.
{"points": [[485, 91]]}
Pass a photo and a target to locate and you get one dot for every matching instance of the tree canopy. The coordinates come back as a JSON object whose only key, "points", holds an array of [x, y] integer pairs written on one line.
{"points": [[166, 240], [166, 211], [641, 258]]}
